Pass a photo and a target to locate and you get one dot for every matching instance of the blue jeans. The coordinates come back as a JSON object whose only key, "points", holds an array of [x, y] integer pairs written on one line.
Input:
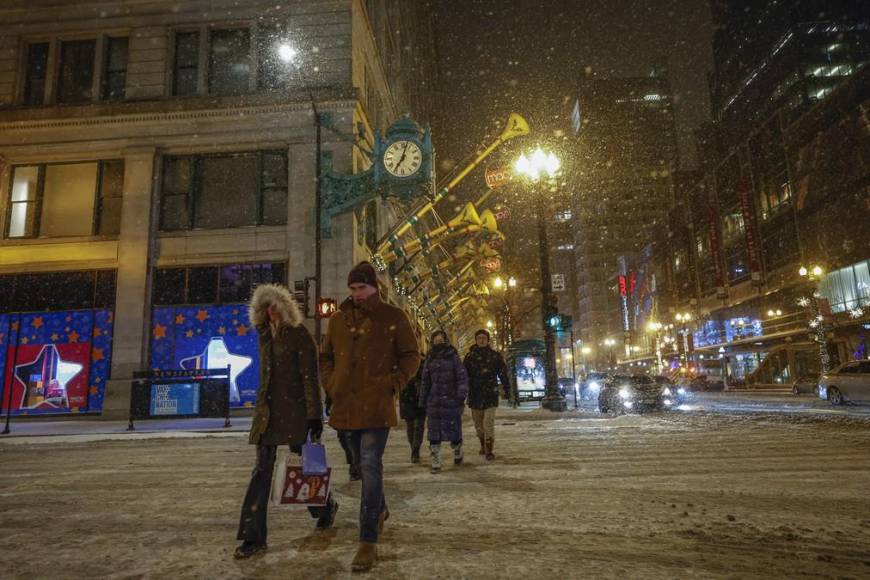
{"points": [[371, 444]]}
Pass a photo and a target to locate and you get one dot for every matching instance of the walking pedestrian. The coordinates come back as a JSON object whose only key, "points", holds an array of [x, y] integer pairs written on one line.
{"points": [[486, 369], [445, 386], [288, 407], [369, 354], [413, 414], [351, 455]]}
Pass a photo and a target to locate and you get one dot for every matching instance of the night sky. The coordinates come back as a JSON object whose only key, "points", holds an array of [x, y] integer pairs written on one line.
{"points": [[528, 55]]}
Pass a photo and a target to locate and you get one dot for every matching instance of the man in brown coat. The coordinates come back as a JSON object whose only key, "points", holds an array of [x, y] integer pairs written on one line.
{"points": [[288, 406], [369, 354]]}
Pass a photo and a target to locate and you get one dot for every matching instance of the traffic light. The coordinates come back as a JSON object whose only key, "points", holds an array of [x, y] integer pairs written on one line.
{"points": [[325, 307]]}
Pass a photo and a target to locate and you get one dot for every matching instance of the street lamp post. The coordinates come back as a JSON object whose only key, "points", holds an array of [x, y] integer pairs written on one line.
{"points": [[812, 275], [288, 55], [655, 328], [533, 167], [683, 318]]}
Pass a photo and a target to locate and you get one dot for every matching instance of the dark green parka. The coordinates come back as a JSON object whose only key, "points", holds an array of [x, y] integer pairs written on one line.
{"points": [[289, 392]]}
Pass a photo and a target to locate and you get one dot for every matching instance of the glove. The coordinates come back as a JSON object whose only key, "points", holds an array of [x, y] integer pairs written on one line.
{"points": [[315, 429]]}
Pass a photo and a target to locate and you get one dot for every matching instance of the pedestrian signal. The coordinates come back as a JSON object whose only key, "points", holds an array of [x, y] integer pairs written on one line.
{"points": [[325, 307]]}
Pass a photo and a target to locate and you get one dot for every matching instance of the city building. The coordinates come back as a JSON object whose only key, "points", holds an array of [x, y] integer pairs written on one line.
{"points": [[157, 160], [623, 164], [783, 186]]}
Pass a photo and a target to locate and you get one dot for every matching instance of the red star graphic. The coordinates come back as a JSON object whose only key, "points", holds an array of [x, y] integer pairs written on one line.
{"points": [[97, 354], [201, 315], [37, 322], [189, 334], [73, 336], [179, 319], [242, 330], [159, 332], [93, 390]]}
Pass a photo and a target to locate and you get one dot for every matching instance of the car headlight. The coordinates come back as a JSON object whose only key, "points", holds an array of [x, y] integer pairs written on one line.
{"points": [[667, 392], [668, 402], [594, 386], [681, 391], [625, 393]]}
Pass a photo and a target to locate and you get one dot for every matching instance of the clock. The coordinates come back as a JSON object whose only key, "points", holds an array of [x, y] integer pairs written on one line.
{"points": [[403, 158]]}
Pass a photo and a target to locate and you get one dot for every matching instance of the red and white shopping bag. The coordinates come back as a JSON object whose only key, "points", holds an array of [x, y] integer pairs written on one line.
{"points": [[291, 487]]}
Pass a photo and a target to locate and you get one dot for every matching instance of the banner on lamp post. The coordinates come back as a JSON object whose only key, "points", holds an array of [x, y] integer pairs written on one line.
{"points": [[744, 193], [715, 252], [497, 177]]}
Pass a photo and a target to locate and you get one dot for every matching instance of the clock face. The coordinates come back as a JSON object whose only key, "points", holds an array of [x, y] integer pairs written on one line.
{"points": [[403, 158]]}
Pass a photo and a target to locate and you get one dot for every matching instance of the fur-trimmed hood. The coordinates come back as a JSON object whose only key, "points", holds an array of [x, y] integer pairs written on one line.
{"points": [[267, 294]]}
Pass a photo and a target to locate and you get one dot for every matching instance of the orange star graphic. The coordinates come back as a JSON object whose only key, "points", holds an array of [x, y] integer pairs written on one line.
{"points": [[15, 325], [189, 334], [97, 354], [73, 336], [37, 322], [93, 390], [201, 315], [221, 331], [54, 337], [242, 330], [179, 319], [159, 332], [97, 332]]}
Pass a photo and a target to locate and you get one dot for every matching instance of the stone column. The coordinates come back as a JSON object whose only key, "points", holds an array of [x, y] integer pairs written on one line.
{"points": [[133, 294]]}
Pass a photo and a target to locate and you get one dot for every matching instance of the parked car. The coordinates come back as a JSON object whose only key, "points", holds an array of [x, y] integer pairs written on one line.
{"points": [[808, 383], [590, 387], [673, 394], [631, 393], [848, 383]]}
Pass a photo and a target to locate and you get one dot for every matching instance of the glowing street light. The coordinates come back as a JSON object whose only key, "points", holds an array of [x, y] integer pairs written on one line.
{"points": [[536, 164], [512, 282], [498, 282], [287, 53]]}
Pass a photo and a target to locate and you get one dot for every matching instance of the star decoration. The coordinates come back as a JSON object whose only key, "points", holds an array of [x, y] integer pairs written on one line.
{"points": [[159, 332], [242, 330], [189, 334], [15, 325], [97, 354], [54, 336], [73, 336], [97, 332], [179, 319], [54, 373], [25, 340], [202, 315], [222, 331], [37, 322], [217, 356]]}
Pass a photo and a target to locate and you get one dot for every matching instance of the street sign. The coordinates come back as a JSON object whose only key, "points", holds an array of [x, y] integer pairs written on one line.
{"points": [[497, 177], [557, 282]]}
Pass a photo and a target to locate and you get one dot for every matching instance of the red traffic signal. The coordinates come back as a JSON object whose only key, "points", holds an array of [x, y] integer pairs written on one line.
{"points": [[325, 307]]}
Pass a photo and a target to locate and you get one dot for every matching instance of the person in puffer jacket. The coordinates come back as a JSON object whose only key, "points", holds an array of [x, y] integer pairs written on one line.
{"points": [[413, 414], [445, 386], [486, 369]]}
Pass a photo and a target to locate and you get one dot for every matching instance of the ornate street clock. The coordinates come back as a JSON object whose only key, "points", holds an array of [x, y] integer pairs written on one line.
{"points": [[402, 168]]}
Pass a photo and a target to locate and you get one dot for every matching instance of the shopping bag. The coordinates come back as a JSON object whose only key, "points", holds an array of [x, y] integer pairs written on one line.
{"points": [[314, 459], [290, 486]]}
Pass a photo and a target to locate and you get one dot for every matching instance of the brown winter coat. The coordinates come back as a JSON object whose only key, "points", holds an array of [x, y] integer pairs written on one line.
{"points": [[369, 354], [289, 391]]}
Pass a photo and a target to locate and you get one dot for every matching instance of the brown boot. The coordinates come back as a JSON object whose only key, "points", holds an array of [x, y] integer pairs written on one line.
{"points": [[366, 557], [384, 516], [490, 456], [482, 445]]}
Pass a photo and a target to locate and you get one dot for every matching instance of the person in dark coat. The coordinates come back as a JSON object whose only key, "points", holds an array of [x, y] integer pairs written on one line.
{"points": [[288, 408], [445, 386], [486, 368], [413, 414]]}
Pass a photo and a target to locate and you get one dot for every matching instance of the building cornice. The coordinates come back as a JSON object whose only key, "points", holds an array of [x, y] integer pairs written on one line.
{"points": [[157, 116]]}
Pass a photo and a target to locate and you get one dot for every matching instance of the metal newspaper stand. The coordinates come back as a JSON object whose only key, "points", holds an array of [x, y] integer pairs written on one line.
{"points": [[180, 394]]}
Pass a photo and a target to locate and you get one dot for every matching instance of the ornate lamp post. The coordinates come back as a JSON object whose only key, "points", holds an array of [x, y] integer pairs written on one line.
{"points": [[683, 319], [533, 167], [811, 276]]}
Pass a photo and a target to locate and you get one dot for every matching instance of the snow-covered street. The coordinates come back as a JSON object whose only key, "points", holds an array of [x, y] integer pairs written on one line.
{"points": [[571, 496]]}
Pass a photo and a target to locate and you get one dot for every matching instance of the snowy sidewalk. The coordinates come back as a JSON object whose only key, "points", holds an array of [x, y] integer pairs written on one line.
{"points": [[577, 496]]}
